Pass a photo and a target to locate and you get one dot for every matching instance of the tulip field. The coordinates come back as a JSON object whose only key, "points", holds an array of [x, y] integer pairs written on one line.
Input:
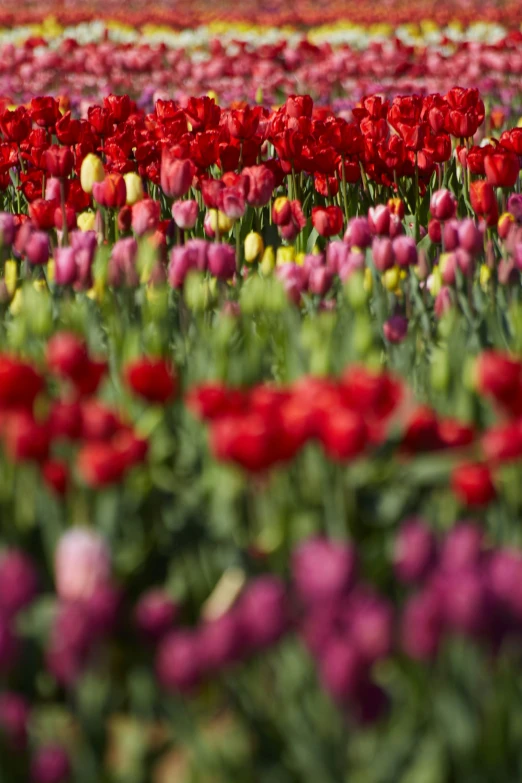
{"points": [[260, 392]]}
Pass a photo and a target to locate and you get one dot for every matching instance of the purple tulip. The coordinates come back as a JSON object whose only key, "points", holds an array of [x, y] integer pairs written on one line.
{"points": [[65, 268], [220, 642], [7, 229], [178, 664], [18, 582], [155, 613], [371, 626], [37, 248], [471, 237], [358, 233], [14, 718], [415, 551], [422, 626], [382, 253], [323, 570], [450, 235], [50, 765], [342, 670], [263, 615], [405, 251], [443, 204], [462, 547], [395, 329], [221, 260]]}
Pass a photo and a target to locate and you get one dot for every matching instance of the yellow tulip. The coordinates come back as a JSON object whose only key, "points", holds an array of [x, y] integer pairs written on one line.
{"points": [[10, 276], [86, 221], [268, 261], [285, 254], [17, 303], [218, 220], [254, 246], [390, 278], [134, 186], [485, 276], [91, 171]]}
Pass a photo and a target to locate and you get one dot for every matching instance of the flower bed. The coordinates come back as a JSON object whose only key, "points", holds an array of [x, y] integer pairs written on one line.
{"points": [[260, 410]]}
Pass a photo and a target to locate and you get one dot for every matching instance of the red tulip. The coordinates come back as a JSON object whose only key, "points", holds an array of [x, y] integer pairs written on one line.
{"points": [[152, 379]]}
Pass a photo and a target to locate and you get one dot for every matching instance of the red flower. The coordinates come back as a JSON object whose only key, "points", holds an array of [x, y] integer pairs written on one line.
{"points": [[500, 377], [473, 485], [66, 355], [101, 120], [26, 439], [243, 123], [45, 111], [56, 475], [100, 464], [118, 106], [250, 440], [501, 167], [68, 131], [482, 197], [203, 113], [20, 384], [42, 212], [213, 399], [299, 106], [328, 221], [176, 175], [343, 434], [58, 161], [260, 184], [111, 192], [152, 379], [16, 125]]}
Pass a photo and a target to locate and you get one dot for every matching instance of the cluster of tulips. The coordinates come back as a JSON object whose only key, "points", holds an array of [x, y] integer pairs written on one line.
{"points": [[259, 367], [275, 14], [262, 68]]}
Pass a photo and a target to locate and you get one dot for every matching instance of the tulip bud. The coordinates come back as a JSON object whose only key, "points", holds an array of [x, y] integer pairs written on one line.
{"points": [[358, 233], [91, 171], [10, 275], [219, 221], [134, 185], [37, 248], [145, 216], [52, 189], [82, 563], [185, 213], [268, 261], [222, 261], [383, 253], [514, 206], [50, 765], [470, 237], [390, 278], [435, 231], [505, 221], [405, 251], [285, 254], [443, 205], [111, 192], [86, 221], [379, 219], [281, 211], [395, 329], [7, 229], [254, 247]]}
